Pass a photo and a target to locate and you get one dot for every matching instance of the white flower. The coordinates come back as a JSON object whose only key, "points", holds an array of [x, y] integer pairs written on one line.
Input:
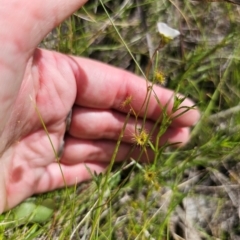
{"points": [[166, 31]]}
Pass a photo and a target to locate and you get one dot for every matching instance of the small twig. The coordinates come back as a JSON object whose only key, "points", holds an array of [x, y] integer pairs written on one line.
{"points": [[224, 114], [225, 182]]}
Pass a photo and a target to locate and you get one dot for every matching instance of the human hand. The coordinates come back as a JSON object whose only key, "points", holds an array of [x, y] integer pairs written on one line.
{"points": [[56, 83]]}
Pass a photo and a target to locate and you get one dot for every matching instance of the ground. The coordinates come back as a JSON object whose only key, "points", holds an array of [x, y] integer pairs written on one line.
{"points": [[188, 193]]}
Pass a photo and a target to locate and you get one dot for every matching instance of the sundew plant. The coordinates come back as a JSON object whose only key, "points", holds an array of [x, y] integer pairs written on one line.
{"points": [[190, 192]]}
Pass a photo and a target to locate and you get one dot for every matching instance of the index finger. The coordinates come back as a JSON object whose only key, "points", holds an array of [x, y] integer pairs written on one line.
{"points": [[105, 87]]}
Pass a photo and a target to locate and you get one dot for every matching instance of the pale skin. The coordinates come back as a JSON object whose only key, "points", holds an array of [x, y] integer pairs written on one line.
{"points": [[55, 83]]}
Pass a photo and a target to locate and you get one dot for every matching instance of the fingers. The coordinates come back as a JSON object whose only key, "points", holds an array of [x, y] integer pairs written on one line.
{"points": [[101, 150], [83, 158], [102, 86], [95, 124]]}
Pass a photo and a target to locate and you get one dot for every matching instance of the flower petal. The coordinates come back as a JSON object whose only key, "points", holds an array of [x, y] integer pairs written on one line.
{"points": [[167, 31]]}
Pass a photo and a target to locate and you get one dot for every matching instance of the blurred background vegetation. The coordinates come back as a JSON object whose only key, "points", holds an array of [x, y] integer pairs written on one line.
{"points": [[190, 193]]}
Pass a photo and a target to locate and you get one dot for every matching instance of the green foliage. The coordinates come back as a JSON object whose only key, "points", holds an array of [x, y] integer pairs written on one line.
{"points": [[133, 201]]}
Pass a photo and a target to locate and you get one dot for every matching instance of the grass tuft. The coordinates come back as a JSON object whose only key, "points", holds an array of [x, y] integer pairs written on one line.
{"points": [[185, 193]]}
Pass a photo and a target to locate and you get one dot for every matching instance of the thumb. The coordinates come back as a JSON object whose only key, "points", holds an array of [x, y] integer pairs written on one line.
{"points": [[23, 25], [30, 21]]}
